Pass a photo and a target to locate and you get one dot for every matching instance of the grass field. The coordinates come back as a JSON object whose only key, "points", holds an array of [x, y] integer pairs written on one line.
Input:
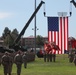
{"points": [[39, 67]]}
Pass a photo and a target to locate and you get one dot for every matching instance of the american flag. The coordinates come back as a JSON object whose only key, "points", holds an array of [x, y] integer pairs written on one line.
{"points": [[58, 32]]}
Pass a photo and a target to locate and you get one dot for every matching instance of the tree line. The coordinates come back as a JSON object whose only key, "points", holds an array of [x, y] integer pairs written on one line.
{"points": [[9, 36]]}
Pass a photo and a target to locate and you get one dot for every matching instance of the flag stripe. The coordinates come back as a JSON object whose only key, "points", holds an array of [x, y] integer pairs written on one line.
{"points": [[63, 35], [60, 35], [66, 33]]}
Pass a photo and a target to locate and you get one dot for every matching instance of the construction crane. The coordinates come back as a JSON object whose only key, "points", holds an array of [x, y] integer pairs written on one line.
{"points": [[27, 24], [74, 3], [15, 45]]}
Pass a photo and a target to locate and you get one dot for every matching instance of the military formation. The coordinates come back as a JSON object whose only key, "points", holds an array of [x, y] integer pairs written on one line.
{"points": [[18, 58], [50, 49]]}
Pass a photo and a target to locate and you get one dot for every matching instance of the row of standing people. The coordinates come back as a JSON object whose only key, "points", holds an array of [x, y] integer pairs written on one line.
{"points": [[50, 51], [7, 61]]}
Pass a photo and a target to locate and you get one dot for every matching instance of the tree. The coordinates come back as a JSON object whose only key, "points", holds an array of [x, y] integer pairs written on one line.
{"points": [[9, 36], [14, 33], [39, 41], [5, 35], [5, 32]]}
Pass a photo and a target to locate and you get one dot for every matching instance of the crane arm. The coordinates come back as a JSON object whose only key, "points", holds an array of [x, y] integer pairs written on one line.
{"points": [[74, 3], [27, 24]]}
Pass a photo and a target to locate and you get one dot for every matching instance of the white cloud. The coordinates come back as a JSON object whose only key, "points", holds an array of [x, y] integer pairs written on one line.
{"points": [[4, 15]]}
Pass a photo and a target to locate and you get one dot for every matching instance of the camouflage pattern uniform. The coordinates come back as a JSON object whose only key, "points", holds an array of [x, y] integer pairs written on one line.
{"points": [[71, 57], [74, 60], [53, 55], [6, 63], [47, 52], [18, 62], [24, 58], [10, 64], [54, 49], [44, 55]]}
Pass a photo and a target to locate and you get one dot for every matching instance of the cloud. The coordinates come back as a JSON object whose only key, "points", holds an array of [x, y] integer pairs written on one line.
{"points": [[4, 15]]}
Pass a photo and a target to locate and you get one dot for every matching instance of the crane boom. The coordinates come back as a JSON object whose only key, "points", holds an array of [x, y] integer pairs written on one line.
{"points": [[27, 24], [74, 3]]}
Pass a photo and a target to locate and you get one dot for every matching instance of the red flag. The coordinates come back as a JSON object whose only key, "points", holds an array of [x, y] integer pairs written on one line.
{"points": [[60, 35]]}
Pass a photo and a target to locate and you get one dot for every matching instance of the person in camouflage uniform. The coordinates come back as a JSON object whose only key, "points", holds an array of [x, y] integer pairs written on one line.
{"points": [[24, 58], [74, 60], [47, 52], [11, 63], [7, 63], [71, 56], [54, 49], [18, 61]]}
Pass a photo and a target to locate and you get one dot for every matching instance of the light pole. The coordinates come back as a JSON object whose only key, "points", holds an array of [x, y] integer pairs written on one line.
{"points": [[35, 37], [35, 29]]}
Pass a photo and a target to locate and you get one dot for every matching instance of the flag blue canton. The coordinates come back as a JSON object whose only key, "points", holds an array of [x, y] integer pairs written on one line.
{"points": [[53, 24]]}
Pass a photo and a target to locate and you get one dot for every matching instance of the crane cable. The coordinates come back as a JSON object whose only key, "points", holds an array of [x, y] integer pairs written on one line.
{"points": [[44, 10], [70, 10]]}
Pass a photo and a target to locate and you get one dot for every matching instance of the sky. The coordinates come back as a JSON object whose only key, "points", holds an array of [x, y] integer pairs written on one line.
{"points": [[16, 13]]}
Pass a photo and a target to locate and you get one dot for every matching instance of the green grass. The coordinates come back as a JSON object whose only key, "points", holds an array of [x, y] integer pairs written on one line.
{"points": [[39, 67]]}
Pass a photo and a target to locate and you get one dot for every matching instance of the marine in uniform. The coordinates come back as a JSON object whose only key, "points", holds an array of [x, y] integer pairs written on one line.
{"points": [[24, 58], [74, 59], [71, 56], [18, 61], [54, 48], [10, 63], [6, 62], [47, 51]]}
